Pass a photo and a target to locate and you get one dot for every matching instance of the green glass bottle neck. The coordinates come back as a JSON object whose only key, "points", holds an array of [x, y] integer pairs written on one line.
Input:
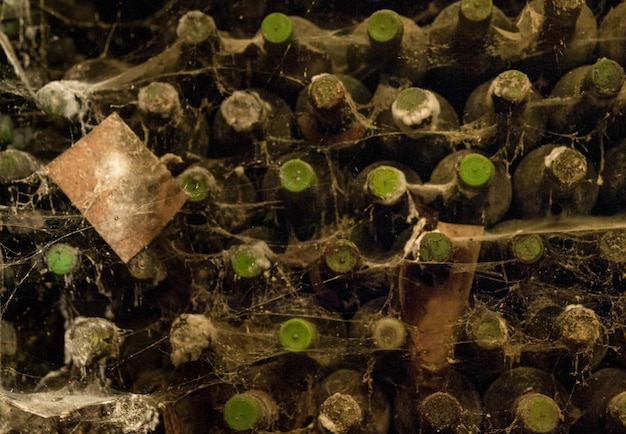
{"points": [[475, 171], [488, 330], [196, 27], [342, 256], [510, 91], [297, 334], [386, 184], [254, 409], [433, 247], [198, 183], [537, 413], [579, 328], [442, 412], [277, 29], [248, 261], [340, 413], [603, 80], [15, 165], [244, 111], [527, 248], [160, 100], [565, 168], [329, 98], [296, 176], [63, 259], [389, 333], [385, 30], [415, 110], [474, 18]]}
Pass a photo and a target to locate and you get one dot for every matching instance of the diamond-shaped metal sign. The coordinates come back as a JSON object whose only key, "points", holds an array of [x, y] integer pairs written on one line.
{"points": [[119, 185]]}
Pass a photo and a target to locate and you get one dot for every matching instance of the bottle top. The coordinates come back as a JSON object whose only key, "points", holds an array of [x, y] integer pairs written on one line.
{"points": [[415, 108], [63, 259], [58, 98], [385, 26], [297, 175], [389, 333], [616, 410], [510, 89], [387, 184], [15, 164], [198, 183], [146, 265], [296, 334], [243, 412], [342, 256], [249, 261], [195, 27], [160, 99], [476, 10], [604, 79], [488, 330], [475, 171], [538, 413], [433, 247], [441, 411], [277, 28], [327, 93], [579, 327], [243, 110], [340, 413], [566, 166], [527, 248]]}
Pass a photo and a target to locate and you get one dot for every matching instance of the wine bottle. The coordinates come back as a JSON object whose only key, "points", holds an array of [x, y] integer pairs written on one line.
{"points": [[601, 399], [348, 405], [469, 188], [388, 43], [611, 35], [418, 129], [588, 97], [504, 115], [327, 114], [555, 37], [526, 400], [555, 180]]}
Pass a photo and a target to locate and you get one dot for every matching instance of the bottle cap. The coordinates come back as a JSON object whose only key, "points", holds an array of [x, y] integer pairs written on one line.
{"points": [[415, 109], [15, 164], [579, 328], [341, 256], [510, 89], [434, 247], [277, 28], [565, 11], [384, 25], [340, 413], [488, 330], [297, 176], [566, 166], [249, 261], [527, 248], [476, 10], [195, 27], [296, 334], [242, 412], [387, 184], [62, 259], [616, 410], [58, 98], [538, 413], [604, 78], [243, 110], [327, 93], [198, 183], [159, 99], [475, 171], [389, 333], [146, 265], [441, 411]]}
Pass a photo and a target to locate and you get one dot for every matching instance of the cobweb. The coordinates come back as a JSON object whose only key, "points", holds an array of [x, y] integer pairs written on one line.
{"points": [[138, 389]]}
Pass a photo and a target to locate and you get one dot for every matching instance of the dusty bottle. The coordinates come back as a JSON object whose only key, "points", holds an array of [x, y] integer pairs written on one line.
{"points": [[612, 34], [432, 254], [506, 115], [555, 180], [347, 405], [589, 97], [469, 188], [418, 129], [381, 200], [379, 323], [326, 113], [564, 39], [601, 399], [254, 125], [306, 193], [452, 406], [387, 42], [526, 400]]}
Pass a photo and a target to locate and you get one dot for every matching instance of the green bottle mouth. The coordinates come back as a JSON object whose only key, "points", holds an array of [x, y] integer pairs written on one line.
{"points": [[512, 86], [196, 27], [242, 412], [389, 333], [567, 166], [606, 77], [476, 10], [297, 176], [277, 28], [62, 259], [476, 171], [384, 25], [342, 256], [538, 413], [198, 183], [327, 92], [159, 99], [440, 410], [527, 248], [434, 247], [387, 184], [578, 328], [243, 110], [296, 334], [488, 330], [14, 165], [249, 261]]}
